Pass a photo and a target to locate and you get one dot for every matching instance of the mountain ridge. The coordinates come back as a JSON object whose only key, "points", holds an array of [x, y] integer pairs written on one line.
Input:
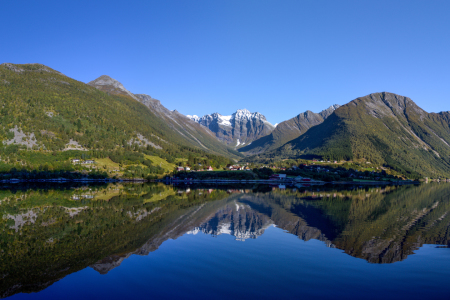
{"points": [[237, 129], [288, 130], [188, 130], [384, 128]]}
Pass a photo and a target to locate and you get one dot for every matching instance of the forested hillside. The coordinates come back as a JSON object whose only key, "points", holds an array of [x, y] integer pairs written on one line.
{"points": [[382, 128], [42, 109]]}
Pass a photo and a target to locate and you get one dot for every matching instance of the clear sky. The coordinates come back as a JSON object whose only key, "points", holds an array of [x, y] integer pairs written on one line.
{"points": [[279, 58]]}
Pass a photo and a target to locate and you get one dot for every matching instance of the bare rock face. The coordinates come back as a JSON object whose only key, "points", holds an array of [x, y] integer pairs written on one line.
{"points": [[327, 112], [239, 129], [110, 85]]}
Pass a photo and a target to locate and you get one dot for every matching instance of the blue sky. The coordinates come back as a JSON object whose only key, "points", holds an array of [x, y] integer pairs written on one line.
{"points": [[276, 57]]}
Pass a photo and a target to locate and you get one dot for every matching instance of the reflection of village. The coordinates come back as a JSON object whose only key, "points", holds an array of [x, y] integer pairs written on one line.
{"points": [[304, 192]]}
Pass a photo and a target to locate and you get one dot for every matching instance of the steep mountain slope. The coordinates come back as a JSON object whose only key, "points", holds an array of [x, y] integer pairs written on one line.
{"points": [[239, 129], [288, 130], [42, 108], [193, 132], [51, 111], [189, 131], [383, 128]]}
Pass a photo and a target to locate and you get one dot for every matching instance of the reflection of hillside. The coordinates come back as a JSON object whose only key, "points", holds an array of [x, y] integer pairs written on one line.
{"points": [[48, 235], [381, 227]]}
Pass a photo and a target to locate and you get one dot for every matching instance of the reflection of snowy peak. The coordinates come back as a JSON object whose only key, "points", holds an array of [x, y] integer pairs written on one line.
{"points": [[237, 220], [238, 129]]}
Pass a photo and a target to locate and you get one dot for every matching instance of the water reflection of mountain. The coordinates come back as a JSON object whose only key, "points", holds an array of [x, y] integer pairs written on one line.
{"points": [[47, 235], [236, 219]]}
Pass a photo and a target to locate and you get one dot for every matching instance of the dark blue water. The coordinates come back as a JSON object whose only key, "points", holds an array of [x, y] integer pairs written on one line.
{"points": [[233, 247]]}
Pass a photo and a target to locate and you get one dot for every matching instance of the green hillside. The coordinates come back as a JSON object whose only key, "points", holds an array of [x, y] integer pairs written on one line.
{"points": [[382, 128], [42, 109]]}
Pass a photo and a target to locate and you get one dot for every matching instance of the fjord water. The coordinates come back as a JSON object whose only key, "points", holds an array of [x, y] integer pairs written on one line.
{"points": [[164, 242]]}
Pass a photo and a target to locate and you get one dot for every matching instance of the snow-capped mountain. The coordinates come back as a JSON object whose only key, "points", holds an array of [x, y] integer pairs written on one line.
{"points": [[239, 129]]}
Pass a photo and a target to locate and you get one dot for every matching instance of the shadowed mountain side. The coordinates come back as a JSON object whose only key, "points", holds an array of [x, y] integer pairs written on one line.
{"points": [[288, 130], [383, 128]]}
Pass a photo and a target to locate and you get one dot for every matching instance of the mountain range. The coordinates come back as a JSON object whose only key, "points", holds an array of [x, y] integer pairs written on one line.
{"points": [[239, 129], [288, 130], [42, 108]]}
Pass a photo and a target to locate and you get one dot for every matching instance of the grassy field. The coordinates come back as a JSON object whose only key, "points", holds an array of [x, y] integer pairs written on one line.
{"points": [[110, 166], [161, 196], [158, 161]]}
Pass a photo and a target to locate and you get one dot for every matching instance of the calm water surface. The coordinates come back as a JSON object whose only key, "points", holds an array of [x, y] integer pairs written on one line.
{"points": [[164, 242]]}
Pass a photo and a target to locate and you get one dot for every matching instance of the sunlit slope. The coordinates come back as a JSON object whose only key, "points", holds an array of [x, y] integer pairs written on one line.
{"points": [[42, 108]]}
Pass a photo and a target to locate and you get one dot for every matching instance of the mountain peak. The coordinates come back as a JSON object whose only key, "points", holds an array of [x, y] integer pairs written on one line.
{"points": [[240, 128], [327, 112], [107, 84], [243, 111], [387, 104]]}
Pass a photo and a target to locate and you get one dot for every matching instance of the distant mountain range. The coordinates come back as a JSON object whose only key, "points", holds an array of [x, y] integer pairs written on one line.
{"points": [[239, 129]]}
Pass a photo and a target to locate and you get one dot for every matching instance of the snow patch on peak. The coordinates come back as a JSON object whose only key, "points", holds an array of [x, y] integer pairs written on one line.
{"points": [[224, 120], [242, 114], [194, 118]]}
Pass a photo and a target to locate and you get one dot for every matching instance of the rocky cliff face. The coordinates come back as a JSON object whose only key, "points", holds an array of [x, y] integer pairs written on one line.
{"points": [[238, 129], [288, 130]]}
